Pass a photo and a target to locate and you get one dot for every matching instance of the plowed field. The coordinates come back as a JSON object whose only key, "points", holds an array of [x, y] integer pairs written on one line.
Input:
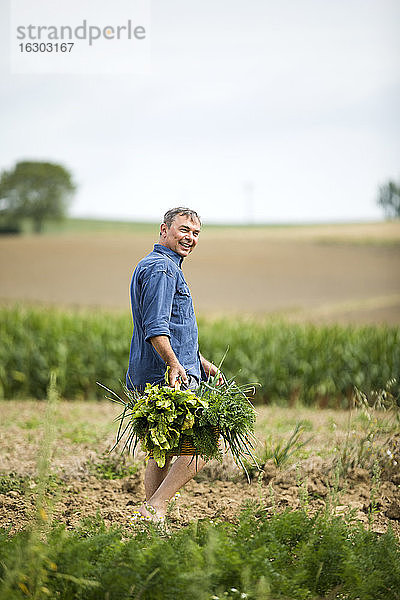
{"points": [[82, 432], [338, 273]]}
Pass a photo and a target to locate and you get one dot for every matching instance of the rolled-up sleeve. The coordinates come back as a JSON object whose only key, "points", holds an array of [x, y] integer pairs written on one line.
{"points": [[157, 294]]}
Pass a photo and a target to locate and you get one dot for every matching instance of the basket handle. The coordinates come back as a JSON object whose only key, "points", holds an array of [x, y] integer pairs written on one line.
{"points": [[177, 384]]}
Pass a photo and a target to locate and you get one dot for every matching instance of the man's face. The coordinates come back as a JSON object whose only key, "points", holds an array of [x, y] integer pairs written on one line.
{"points": [[182, 236]]}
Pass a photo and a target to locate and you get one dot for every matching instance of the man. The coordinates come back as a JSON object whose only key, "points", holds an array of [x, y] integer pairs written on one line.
{"points": [[165, 335]]}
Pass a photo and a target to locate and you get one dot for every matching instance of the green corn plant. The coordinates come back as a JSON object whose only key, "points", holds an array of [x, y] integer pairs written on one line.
{"points": [[304, 363]]}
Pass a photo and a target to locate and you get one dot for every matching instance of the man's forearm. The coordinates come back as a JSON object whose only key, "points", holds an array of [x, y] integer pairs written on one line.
{"points": [[163, 346], [207, 365], [210, 368]]}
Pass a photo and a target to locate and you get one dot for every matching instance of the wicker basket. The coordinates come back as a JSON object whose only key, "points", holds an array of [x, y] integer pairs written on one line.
{"points": [[186, 447]]}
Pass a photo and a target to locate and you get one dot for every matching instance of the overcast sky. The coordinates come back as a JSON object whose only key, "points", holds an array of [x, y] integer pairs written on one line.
{"points": [[250, 110]]}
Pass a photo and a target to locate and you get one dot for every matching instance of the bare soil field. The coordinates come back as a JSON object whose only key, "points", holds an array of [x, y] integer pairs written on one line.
{"points": [[338, 273], [83, 432]]}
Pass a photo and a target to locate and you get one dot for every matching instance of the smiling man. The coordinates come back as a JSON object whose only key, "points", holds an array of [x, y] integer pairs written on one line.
{"points": [[164, 323], [165, 335]]}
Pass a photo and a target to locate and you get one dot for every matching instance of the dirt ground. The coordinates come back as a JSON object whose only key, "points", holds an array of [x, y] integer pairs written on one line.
{"points": [[338, 273], [81, 433]]}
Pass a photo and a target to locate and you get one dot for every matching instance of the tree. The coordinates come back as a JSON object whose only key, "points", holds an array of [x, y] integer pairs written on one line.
{"points": [[35, 190], [389, 199]]}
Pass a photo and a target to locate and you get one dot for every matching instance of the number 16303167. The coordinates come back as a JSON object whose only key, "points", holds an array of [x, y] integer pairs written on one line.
{"points": [[46, 47]]}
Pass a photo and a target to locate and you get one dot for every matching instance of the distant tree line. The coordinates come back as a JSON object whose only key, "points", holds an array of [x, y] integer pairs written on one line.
{"points": [[37, 191], [40, 191]]}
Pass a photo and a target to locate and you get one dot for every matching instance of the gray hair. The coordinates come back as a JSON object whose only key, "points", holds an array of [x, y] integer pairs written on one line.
{"points": [[180, 210]]}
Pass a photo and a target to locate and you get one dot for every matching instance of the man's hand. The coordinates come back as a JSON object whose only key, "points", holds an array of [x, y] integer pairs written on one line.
{"points": [[211, 369], [162, 344], [176, 372]]}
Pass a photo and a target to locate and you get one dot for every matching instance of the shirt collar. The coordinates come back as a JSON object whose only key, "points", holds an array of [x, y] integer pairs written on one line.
{"points": [[168, 252]]}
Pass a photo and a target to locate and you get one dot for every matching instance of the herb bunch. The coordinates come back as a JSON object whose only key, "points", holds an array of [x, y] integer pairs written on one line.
{"points": [[230, 410]]}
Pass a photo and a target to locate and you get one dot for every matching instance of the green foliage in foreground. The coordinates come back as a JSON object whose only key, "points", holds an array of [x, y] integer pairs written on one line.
{"points": [[305, 362], [288, 556]]}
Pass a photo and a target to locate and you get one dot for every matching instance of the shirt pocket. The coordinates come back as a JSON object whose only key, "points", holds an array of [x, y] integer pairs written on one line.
{"points": [[182, 306]]}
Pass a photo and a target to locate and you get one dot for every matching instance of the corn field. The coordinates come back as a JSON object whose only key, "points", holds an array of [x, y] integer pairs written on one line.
{"points": [[306, 363]]}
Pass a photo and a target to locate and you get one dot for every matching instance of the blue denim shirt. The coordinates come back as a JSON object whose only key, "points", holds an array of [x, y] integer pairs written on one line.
{"points": [[161, 305]]}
